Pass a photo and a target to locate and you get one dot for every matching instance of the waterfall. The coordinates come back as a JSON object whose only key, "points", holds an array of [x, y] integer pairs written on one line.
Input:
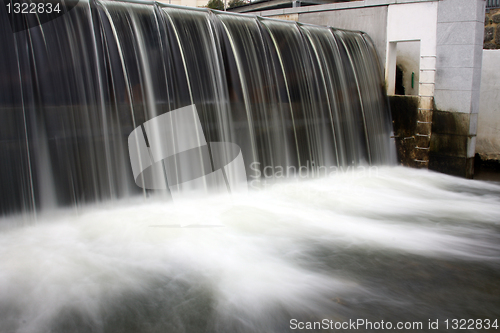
{"points": [[73, 89], [114, 102]]}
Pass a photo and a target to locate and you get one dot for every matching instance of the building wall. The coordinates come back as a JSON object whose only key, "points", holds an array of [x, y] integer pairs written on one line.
{"points": [[413, 22], [189, 3], [371, 20], [450, 34], [459, 51], [488, 127], [460, 28]]}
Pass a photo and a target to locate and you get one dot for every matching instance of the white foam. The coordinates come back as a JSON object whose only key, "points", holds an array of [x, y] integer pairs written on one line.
{"points": [[248, 253]]}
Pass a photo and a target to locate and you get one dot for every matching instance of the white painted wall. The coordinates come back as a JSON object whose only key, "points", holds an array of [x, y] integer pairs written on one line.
{"points": [[488, 127], [413, 22]]}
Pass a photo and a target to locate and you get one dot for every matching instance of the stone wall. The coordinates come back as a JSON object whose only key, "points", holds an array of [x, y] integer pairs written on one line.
{"points": [[492, 29], [409, 131]]}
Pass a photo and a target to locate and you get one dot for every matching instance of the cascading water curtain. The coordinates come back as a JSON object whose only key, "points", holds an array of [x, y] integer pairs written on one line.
{"points": [[74, 88]]}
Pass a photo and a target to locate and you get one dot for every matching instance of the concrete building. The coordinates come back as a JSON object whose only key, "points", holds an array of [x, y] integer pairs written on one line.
{"points": [[438, 46], [189, 3], [259, 5]]}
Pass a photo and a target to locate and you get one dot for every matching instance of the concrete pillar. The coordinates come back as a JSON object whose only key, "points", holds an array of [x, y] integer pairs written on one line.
{"points": [[390, 72], [488, 134], [459, 48]]}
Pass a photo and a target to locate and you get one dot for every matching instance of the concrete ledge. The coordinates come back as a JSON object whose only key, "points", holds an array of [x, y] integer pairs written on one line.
{"points": [[492, 163], [273, 12], [334, 6]]}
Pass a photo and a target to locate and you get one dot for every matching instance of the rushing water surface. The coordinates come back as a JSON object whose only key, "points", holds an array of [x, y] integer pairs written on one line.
{"points": [[394, 244]]}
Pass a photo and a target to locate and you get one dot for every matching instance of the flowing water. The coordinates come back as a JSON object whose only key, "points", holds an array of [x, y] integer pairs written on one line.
{"points": [[328, 231], [395, 245], [75, 88]]}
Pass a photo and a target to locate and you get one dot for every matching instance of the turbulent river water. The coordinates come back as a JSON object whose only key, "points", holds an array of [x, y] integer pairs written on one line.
{"points": [[384, 244]]}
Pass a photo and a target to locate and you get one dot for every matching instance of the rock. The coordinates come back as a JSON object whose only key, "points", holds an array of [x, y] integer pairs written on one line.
{"points": [[489, 46], [496, 18], [488, 34]]}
